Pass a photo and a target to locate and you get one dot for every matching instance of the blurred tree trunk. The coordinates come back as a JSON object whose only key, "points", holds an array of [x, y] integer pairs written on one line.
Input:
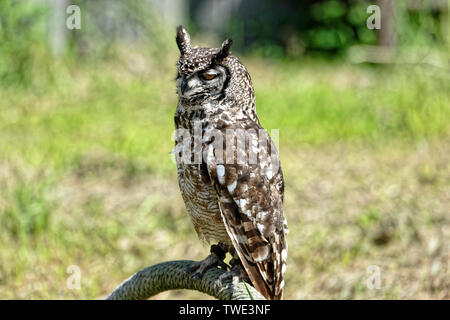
{"points": [[172, 12], [386, 36], [58, 30], [213, 15]]}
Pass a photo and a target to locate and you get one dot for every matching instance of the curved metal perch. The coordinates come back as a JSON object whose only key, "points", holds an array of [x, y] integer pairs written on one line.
{"points": [[169, 276]]}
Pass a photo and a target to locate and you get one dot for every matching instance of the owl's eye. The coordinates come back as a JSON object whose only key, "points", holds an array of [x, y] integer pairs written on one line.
{"points": [[208, 76]]}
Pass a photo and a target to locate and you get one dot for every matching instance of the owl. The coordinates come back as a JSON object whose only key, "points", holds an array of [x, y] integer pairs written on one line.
{"points": [[229, 171]]}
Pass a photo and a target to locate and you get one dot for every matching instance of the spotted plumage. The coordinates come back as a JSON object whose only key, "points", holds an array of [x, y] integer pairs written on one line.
{"points": [[228, 167]]}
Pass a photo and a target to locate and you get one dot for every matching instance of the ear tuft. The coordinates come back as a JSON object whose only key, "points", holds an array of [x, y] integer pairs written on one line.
{"points": [[183, 40], [224, 50]]}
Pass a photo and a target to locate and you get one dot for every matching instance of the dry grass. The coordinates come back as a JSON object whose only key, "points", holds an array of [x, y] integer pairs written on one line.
{"points": [[89, 181], [348, 208]]}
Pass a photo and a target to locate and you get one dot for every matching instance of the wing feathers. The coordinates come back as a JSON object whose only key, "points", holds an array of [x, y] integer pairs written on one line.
{"points": [[251, 208]]}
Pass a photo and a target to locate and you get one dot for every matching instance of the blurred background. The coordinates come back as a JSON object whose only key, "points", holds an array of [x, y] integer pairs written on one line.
{"points": [[88, 190]]}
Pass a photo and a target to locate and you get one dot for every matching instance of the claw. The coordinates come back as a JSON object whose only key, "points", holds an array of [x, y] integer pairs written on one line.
{"points": [[196, 276], [236, 274], [223, 265], [214, 260]]}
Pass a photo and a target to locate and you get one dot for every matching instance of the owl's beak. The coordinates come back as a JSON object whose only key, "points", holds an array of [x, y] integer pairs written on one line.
{"points": [[184, 85]]}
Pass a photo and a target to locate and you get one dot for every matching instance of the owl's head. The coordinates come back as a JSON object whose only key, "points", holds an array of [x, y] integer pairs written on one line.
{"points": [[202, 72]]}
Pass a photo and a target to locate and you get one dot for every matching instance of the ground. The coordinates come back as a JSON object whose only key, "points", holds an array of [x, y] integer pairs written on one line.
{"points": [[86, 179]]}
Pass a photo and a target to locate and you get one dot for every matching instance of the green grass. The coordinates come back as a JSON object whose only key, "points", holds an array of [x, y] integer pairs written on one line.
{"points": [[353, 104], [86, 178], [132, 117]]}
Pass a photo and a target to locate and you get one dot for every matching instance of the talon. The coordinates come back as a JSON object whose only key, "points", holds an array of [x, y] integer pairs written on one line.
{"points": [[214, 260], [196, 276], [218, 285], [236, 274], [224, 266], [191, 269]]}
